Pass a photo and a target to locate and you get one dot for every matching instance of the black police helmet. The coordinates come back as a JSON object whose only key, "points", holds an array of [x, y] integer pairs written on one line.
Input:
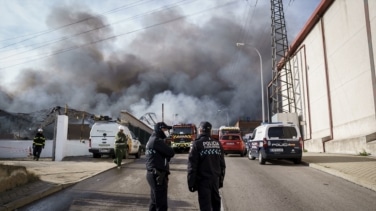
{"points": [[205, 127], [161, 125], [158, 129]]}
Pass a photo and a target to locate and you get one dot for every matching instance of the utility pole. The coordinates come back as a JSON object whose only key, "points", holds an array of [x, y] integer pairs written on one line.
{"points": [[281, 91]]}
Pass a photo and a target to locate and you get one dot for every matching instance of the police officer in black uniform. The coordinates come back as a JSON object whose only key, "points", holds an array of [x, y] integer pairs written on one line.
{"points": [[206, 169], [158, 155]]}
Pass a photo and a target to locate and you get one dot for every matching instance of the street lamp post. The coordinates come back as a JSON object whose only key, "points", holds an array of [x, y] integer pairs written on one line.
{"points": [[262, 79], [175, 117]]}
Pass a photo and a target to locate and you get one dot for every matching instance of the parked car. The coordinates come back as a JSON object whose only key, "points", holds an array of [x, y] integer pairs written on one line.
{"points": [[233, 144], [276, 141]]}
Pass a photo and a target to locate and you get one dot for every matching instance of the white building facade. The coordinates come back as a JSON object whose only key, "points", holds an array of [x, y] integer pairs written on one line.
{"points": [[333, 59]]}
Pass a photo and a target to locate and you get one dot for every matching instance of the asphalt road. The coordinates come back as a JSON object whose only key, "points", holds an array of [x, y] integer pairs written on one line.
{"points": [[279, 185], [121, 189], [282, 185]]}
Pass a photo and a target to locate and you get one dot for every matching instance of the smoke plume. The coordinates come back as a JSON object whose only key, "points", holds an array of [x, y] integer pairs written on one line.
{"points": [[195, 70]]}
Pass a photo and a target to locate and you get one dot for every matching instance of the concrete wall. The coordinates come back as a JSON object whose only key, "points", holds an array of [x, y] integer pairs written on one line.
{"points": [[372, 16], [20, 149], [58, 150], [337, 80], [61, 138]]}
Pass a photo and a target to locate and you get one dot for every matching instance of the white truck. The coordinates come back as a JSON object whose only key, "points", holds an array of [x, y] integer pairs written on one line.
{"points": [[102, 140]]}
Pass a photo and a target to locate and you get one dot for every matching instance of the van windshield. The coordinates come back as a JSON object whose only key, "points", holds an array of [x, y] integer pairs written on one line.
{"points": [[282, 132], [182, 130]]}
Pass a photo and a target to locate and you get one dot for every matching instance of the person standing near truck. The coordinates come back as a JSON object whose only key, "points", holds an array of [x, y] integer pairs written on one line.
{"points": [[38, 144], [158, 155], [120, 146]]}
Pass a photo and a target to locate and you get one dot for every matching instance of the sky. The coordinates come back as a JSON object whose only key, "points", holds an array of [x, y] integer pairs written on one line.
{"points": [[104, 56]]}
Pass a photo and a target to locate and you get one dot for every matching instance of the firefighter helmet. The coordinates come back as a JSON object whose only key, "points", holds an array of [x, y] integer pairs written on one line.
{"points": [[40, 130]]}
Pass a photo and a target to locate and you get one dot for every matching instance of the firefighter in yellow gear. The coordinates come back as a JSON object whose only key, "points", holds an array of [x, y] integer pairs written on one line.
{"points": [[120, 146]]}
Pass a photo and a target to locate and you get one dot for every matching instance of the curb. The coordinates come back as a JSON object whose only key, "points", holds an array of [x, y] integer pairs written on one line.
{"points": [[33, 197], [342, 175], [51, 189]]}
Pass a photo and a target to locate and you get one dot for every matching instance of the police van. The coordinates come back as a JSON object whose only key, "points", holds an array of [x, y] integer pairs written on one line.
{"points": [[276, 141], [102, 140]]}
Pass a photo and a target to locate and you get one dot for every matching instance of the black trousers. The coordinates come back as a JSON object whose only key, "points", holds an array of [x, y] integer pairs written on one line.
{"points": [[36, 151], [208, 195], [158, 193]]}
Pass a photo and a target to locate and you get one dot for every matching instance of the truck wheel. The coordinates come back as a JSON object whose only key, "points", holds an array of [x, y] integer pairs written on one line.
{"points": [[138, 155], [96, 155], [244, 153], [261, 159], [297, 160], [126, 153], [250, 156]]}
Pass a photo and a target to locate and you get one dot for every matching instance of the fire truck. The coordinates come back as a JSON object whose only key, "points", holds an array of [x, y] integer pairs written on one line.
{"points": [[182, 135], [223, 130]]}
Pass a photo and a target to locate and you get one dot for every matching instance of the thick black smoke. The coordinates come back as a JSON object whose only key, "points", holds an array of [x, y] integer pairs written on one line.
{"points": [[194, 70]]}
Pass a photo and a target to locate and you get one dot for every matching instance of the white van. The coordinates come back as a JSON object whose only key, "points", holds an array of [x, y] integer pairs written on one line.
{"points": [[102, 140], [276, 141]]}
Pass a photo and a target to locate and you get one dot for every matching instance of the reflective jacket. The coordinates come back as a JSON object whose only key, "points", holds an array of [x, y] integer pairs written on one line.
{"points": [[158, 154], [39, 140], [121, 140], [205, 160]]}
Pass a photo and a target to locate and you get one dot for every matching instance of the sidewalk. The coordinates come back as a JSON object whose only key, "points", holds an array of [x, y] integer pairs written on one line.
{"points": [[56, 176], [360, 170]]}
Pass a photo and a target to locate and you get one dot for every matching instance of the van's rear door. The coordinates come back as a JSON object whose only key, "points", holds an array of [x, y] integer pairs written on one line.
{"points": [[103, 136], [283, 140]]}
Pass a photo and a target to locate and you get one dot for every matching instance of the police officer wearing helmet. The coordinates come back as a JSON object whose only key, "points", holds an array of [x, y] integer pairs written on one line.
{"points": [[206, 169], [158, 155], [38, 144]]}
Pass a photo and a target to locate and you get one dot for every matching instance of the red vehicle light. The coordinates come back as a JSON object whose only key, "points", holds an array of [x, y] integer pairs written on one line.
{"points": [[265, 143]]}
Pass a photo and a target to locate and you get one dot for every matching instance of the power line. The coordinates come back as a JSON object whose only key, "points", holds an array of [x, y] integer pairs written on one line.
{"points": [[123, 34], [37, 34], [101, 27]]}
